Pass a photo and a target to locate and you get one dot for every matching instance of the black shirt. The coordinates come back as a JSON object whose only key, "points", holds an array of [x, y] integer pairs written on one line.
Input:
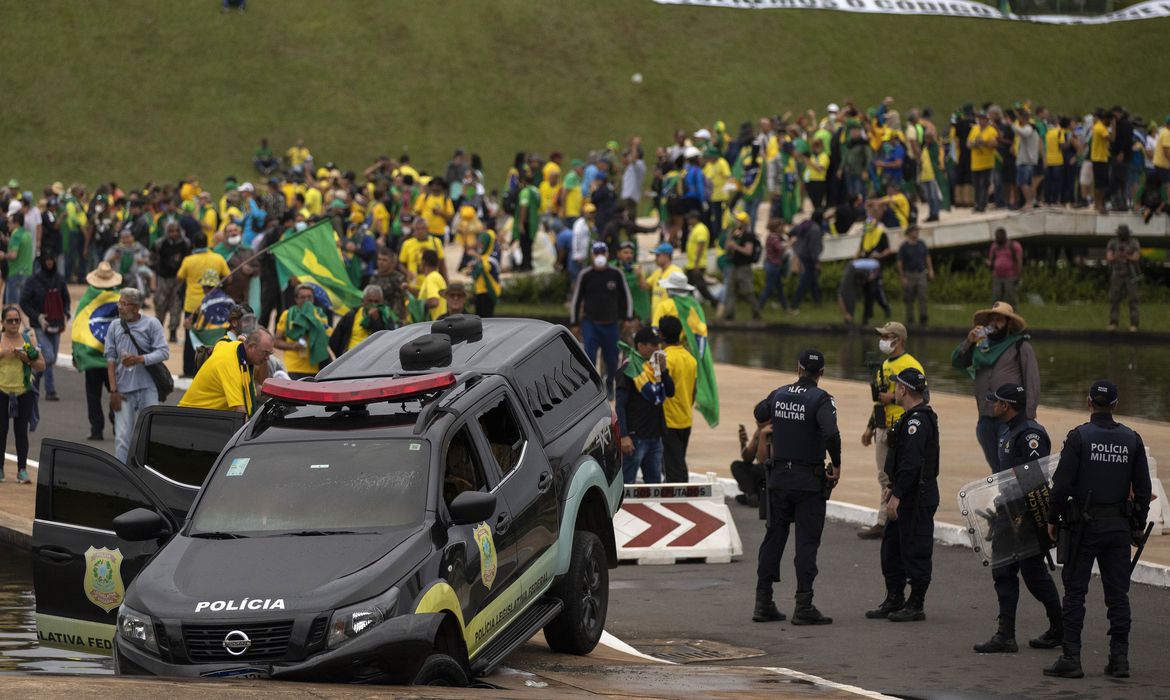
{"points": [[912, 462], [912, 255], [601, 296], [749, 239], [170, 255], [644, 420], [1025, 441]]}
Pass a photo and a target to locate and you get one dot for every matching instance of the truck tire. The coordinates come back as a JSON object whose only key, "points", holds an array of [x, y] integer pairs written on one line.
{"points": [[584, 591], [440, 670]]}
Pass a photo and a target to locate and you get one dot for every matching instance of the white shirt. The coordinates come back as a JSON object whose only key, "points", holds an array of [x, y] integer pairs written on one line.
{"points": [[579, 250]]}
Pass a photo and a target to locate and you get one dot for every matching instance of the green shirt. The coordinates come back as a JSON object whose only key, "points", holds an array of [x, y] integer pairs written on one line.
{"points": [[530, 198], [22, 242]]}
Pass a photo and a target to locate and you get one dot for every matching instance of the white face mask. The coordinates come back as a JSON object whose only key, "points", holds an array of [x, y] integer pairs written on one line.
{"points": [[301, 225], [600, 261], [234, 240], [886, 346]]}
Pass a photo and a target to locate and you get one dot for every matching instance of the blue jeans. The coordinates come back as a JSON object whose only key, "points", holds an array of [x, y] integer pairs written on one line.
{"points": [[648, 457], [989, 431], [603, 336], [132, 403], [49, 343], [752, 208], [773, 280], [809, 283], [854, 186], [75, 256], [933, 196], [13, 288]]}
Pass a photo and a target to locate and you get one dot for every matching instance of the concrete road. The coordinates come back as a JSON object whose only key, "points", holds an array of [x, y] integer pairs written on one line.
{"points": [[924, 659]]}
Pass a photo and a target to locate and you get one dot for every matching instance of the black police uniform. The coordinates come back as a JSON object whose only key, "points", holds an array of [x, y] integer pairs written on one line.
{"points": [[908, 542], [1106, 459], [1025, 441], [804, 426]]}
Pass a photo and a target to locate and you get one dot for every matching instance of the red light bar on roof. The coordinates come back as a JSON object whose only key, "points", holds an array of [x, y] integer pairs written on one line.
{"points": [[356, 391]]}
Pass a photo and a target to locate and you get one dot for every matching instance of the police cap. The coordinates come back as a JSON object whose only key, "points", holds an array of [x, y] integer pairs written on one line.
{"points": [[912, 379], [1103, 392], [1009, 393], [811, 360]]}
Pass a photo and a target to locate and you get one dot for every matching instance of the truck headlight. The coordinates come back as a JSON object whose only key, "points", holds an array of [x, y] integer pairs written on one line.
{"points": [[352, 621], [137, 628]]}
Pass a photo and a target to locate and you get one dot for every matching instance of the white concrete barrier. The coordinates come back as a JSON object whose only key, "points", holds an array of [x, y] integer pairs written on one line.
{"points": [[665, 523]]}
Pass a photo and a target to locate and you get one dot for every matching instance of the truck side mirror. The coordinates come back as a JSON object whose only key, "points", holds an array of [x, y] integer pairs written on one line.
{"points": [[472, 507], [141, 525]]}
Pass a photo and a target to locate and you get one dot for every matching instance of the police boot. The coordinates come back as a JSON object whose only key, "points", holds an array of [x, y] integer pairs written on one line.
{"points": [[1003, 641], [913, 610], [895, 599], [1068, 665], [765, 610], [1051, 638], [806, 613], [1118, 665]]}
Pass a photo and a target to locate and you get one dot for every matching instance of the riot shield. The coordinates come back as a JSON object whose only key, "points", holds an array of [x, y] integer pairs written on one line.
{"points": [[1007, 512]]}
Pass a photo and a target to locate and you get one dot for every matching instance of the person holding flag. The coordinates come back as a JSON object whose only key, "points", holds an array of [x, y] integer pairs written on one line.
{"points": [[682, 306], [97, 308], [303, 333], [484, 271], [190, 273], [679, 408], [635, 280], [311, 257], [209, 324], [749, 174]]}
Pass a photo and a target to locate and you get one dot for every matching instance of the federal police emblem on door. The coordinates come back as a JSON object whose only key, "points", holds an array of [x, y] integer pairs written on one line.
{"points": [[103, 577], [487, 554]]}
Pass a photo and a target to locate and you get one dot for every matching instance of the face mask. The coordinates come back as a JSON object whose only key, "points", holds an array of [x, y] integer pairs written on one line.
{"points": [[301, 225], [600, 260], [886, 346], [234, 240]]}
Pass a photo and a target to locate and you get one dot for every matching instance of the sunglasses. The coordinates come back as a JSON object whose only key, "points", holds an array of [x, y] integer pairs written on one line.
{"points": [[12, 320]]}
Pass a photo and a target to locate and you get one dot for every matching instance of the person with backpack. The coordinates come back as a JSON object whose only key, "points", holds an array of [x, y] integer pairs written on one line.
{"points": [[45, 300], [744, 248]]}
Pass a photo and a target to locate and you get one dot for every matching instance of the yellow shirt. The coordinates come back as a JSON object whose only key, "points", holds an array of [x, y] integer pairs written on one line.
{"points": [[189, 191], [314, 201], [573, 201], [700, 236], [289, 190], [230, 215], [822, 160], [358, 333], [885, 379], [982, 157], [1053, 141], [684, 371], [667, 307], [209, 221], [1099, 143], [192, 269], [549, 169], [425, 205], [1161, 146], [657, 293], [297, 156], [381, 217], [222, 382], [432, 284], [404, 170], [548, 197], [901, 207], [411, 255], [926, 166], [298, 360], [718, 173], [12, 376]]}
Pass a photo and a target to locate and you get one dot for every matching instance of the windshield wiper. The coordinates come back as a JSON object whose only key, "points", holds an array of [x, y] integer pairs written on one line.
{"points": [[218, 536], [314, 533]]}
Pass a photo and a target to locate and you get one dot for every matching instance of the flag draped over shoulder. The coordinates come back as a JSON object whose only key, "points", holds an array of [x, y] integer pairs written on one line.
{"points": [[95, 311], [749, 172], [312, 257], [211, 323], [706, 390]]}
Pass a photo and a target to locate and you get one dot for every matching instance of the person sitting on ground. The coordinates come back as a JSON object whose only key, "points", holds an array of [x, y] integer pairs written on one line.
{"points": [[749, 470]]}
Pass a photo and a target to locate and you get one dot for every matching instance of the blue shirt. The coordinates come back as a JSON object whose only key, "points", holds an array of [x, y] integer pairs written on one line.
{"points": [[149, 334], [694, 184], [588, 177]]}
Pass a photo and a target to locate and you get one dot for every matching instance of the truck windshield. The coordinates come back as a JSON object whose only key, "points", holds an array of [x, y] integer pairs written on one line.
{"points": [[320, 487]]}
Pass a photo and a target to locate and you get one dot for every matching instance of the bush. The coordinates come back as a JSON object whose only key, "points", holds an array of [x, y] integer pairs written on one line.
{"points": [[548, 288]]}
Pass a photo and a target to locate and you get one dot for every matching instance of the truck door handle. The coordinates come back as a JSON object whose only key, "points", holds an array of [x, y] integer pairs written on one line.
{"points": [[56, 554], [544, 482], [503, 521]]}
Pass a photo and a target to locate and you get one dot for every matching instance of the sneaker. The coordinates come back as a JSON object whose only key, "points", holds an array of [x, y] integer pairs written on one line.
{"points": [[173, 338], [1, 477], [873, 532], [22, 477], [95, 437], [1111, 327], [1133, 329], [52, 397]]}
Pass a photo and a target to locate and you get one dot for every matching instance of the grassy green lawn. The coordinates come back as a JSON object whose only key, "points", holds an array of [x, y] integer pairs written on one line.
{"points": [[138, 90]]}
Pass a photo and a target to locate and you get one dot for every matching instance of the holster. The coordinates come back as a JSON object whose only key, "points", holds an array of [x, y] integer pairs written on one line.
{"points": [[827, 486]]}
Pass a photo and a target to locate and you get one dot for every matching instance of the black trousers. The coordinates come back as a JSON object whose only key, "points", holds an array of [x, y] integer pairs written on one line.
{"points": [[749, 476], [1038, 582], [807, 510], [95, 379], [908, 546], [1110, 549], [697, 278], [24, 408], [817, 191], [485, 306], [674, 455], [188, 355], [713, 218], [525, 251]]}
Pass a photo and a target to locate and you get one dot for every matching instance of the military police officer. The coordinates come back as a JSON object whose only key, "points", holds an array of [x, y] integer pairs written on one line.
{"points": [[1101, 464], [912, 466], [804, 426], [1025, 441]]}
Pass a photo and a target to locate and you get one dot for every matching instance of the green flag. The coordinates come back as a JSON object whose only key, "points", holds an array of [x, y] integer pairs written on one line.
{"points": [[694, 324], [634, 366], [312, 257]]}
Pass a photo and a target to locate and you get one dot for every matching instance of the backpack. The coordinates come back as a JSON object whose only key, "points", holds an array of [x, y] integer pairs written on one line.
{"points": [[54, 311], [757, 251], [511, 201]]}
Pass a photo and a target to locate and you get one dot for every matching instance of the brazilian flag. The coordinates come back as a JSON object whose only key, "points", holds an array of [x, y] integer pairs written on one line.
{"points": [[694, 325], [313, 258], [750, 173], [96, 310]]}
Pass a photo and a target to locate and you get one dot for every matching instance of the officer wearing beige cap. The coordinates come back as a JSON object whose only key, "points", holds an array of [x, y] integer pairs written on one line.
{"points": [[886, 413]]}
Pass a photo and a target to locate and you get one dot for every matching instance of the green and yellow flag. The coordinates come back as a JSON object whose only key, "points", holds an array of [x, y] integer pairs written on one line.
{"points": [[312, 257], [96, 310], [694, 325]]}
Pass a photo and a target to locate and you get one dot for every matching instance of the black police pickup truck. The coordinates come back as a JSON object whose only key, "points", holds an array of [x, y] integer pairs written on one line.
{"points": [[435, 497]]}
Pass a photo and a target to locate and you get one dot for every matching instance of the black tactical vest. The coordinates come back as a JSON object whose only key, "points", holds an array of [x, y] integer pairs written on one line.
{"points": [[796, 437], [1107, 455]]}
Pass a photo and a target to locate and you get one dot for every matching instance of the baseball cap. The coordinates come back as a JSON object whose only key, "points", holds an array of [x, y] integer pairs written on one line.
{"points": [[589, 207], [1009, 393], [702, 134], [912, 379], [691, 152], [626, 245], [14, 207], [1103, 392], [892, 328], [247, 187], [646, 335], [664, 249], [832, 108], [599, 247], [811, 360]]}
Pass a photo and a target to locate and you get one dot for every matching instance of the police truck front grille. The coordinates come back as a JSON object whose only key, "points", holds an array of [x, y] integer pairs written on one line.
{"points": [[204, 643]]}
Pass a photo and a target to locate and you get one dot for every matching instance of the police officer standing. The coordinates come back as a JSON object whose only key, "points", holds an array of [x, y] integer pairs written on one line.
{"points": [[912, 466], [804, 426], [1101, 463], [1025, 441]]}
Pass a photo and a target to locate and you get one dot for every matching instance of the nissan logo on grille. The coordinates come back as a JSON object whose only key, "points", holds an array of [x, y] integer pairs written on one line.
{"points": [[236, 642]]}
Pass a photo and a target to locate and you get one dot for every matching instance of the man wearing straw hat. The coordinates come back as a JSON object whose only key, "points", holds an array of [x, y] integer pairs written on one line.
{"points": [[96, 309], [997, 352]]}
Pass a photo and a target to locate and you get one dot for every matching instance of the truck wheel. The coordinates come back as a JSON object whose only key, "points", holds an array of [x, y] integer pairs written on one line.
{"points": [[442, 670], [585, 593]]}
